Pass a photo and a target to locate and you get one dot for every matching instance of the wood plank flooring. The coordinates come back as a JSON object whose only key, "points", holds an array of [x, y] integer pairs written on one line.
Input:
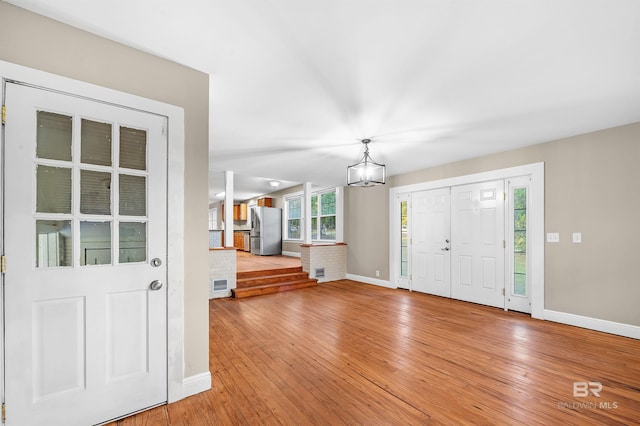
{"points": [[248, 262], [351, 353]]}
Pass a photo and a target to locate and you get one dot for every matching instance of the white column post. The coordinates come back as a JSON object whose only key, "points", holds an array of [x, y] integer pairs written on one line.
{"points": [[307, 212], [228, 208]]}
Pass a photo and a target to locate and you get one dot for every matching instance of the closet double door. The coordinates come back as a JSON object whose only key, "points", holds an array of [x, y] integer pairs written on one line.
{"points": [[458, 242]]}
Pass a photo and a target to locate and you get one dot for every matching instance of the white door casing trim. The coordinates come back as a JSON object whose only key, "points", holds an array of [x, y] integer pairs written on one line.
{"points": [[536, 224], [175, 199]]}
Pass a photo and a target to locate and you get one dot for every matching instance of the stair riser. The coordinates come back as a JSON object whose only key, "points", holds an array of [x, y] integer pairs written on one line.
{"points": [[240, 293], [251, 282], [268, 272]]}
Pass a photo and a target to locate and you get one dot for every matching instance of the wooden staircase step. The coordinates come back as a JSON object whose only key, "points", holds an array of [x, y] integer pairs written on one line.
{"points": [[271, 279], [267, 272], [257, 290]]}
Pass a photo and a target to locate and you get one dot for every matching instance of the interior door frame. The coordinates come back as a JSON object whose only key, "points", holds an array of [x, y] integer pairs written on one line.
{"points": [[536, 224], [175, 201]]}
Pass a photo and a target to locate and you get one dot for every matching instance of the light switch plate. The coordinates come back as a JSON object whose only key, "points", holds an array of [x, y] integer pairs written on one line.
{"points": [[577, 237], [553, 237]]}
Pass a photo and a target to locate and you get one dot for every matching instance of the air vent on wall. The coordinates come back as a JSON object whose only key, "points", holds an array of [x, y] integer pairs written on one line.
{"points": [[319, 272], [219, 285]]}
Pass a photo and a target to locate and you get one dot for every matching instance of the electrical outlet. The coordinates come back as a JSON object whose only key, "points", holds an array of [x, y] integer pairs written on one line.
{"points": [[377, 273], [577, 237]]}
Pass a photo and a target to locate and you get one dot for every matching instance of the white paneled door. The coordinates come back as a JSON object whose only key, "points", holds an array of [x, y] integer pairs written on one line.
{"points": [[478, 245], [85, 245], [431, 256]]}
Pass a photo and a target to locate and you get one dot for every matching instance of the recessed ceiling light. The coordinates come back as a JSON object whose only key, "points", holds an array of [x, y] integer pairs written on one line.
{"points": [[274, 183]]}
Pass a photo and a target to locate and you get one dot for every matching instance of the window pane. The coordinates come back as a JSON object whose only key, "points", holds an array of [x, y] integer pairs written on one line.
{"points": [[314, 228], [54, 136], [404, 240], [133, 242], [53, 189], [520, 220], [520, 241], [520, 198], [53, 243], [294, 208], [95, 243], [328, 201], [314, 205], [133, 195], [133, 148], [520, 285], [328, 228], [95, 192], [96, 143], [293, 229]]}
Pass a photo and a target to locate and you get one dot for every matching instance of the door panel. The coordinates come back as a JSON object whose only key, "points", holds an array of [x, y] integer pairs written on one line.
{"points": [[477, 251], [430, 250], [85, 337]]}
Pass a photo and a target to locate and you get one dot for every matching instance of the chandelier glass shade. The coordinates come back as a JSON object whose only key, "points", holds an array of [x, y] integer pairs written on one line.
{"points": [[366, 172]]}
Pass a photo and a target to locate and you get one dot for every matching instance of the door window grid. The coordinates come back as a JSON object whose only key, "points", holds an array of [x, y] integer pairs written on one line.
{"points": [[519, 242], [78, 197], [404, 240]]}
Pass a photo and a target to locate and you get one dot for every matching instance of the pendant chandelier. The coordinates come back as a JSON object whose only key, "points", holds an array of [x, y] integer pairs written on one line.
{"points": [[366, 172]]}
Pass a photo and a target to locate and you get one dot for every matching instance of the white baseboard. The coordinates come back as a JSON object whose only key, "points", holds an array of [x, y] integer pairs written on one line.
{"points": [[195, 384], [220, 294], [368, 280], [291, 253], [611, 327]]}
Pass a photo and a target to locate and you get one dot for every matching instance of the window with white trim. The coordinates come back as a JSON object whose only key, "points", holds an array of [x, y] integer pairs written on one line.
{"points": [[293, 214], [324, 216]]}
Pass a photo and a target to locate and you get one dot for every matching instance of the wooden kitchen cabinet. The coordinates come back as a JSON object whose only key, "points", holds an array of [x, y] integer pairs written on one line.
{"points": [[265, 202], [240, 211], [238, 240]]}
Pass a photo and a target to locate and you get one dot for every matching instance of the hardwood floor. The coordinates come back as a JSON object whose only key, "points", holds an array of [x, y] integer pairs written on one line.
{"points": [[248, 262], [351, 353]]}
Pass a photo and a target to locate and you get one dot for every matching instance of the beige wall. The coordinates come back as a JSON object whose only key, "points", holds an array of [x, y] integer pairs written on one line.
{"points": [[588, 188], [31, 40]]}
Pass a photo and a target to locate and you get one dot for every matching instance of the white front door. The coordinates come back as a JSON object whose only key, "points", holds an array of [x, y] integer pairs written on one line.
{"points": [[477, 251], [430, 227], [84, 217]]}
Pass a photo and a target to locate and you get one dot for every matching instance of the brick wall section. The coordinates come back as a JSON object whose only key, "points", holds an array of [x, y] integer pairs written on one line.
{"points": [[222, 265], [331, 257]]}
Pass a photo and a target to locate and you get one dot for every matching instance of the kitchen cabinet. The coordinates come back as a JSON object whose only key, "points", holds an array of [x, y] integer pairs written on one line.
{"points": [[240, 211], [241, 240], [265, 202]]}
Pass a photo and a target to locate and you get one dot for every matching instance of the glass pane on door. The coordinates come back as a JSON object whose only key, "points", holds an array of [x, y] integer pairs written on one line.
{"points": [[133, 242], [53, 189], [133, 148], [54, 136], [54, 245], [404, 240], [95, 243], [519, 242], [95, 192], [133, 200], [96, 143]]}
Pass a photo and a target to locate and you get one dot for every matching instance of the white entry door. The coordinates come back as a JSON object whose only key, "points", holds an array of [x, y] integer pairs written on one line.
{"points": [[477, 251], [85, 238], [431, 256]]}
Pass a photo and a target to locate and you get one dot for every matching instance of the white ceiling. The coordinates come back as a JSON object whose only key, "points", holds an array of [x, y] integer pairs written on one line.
{"points": [[297, 83]]}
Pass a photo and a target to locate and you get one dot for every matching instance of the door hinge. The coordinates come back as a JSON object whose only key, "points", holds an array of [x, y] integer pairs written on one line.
{"points": [[504, 196], [4, 114], [4, 413], [410, 277], [3, 264], [504, 243], [503, 292]]}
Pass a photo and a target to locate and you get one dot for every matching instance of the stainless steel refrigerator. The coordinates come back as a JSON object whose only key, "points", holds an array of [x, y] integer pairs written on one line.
{"points": [[266, 231]]}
